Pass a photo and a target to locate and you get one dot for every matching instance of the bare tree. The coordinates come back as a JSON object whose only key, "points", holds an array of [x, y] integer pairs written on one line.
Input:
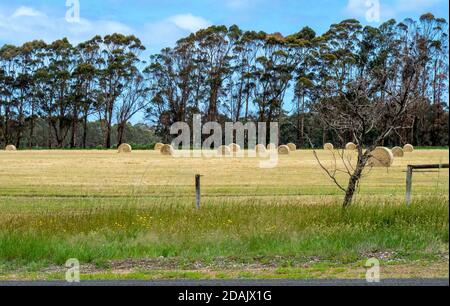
{"points": [[366, 87]]}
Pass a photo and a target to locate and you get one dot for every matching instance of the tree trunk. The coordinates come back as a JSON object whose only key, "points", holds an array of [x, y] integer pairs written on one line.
{"points": [[49, 139], [302, 125], [73, 134], [120, 132], [353, 181], [30, 143], [108, 136], [85, 119], [109, 114]]}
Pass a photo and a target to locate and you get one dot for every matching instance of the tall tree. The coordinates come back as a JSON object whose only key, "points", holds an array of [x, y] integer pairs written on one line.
{"points": [[120, 54]]}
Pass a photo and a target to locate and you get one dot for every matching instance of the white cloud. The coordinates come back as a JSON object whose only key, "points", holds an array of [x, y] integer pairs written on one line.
{"points": [[189, 22], [356, 8], [26, 24], [359, 8], [166, 32], [25, 11]]}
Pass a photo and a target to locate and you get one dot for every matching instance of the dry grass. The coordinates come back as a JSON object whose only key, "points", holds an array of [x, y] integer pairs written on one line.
{"points": [[34, 174], [140, 205]]}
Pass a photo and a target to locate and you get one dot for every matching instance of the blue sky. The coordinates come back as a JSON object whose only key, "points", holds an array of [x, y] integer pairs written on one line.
{"points": [[160, 23]]}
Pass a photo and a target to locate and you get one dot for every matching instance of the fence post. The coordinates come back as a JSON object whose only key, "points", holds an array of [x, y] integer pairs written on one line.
{"points": [[409, 173], [197, 190]]}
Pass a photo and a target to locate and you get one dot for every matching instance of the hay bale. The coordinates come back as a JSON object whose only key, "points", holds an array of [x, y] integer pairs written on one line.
{"points": [[261, 149], [224, 151], [381, 157], [158, 146], [284, 150], [408, 148], [124, 148], [234, 147], [350, 146], [292, 147], [271, 146], [167, 150], [328, 146], [10, 148], [398, 152]]}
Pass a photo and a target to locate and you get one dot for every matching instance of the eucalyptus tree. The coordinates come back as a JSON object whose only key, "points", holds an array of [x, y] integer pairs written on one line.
{"points": [[272, 73], [428, 38], [302, 42], [56, 89], [241, 84], [86, 80], [213, 56], [134, 98], [8, 68], [31, 58], [119, 56]]}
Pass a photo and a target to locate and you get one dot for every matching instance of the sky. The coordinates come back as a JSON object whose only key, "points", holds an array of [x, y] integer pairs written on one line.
{"points": [[160, 23]]}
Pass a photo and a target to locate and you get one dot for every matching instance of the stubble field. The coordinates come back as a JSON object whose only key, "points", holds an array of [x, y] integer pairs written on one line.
{"points": [[133, 216]]}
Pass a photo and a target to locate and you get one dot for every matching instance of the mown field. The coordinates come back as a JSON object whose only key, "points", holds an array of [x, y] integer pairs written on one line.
{"points": [[134, 216]]}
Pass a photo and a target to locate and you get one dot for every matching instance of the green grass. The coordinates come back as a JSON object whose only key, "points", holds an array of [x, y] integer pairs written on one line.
{"points": [[237, 231]]}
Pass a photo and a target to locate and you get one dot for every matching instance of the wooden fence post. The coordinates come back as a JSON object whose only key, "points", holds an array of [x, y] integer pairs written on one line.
{"points": [[409, 173], [197, 190]]}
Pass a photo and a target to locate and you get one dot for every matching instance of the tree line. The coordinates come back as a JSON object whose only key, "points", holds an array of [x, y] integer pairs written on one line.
{"points": [[226, 74]]}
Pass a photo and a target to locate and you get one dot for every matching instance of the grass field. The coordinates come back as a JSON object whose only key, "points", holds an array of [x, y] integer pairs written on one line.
{"points": [[134, 216]]}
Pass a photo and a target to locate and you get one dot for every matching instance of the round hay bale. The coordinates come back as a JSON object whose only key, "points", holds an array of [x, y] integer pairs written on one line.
{"points": [[408, 148], [158, 146], [124, 148], [381, 157], [350, 146], [398, 152], [284, 150], [10, 148], [328, 146], [234, 147], [260, 149], [166, 150], [292, 147], [224, 151], [271, 146]]}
